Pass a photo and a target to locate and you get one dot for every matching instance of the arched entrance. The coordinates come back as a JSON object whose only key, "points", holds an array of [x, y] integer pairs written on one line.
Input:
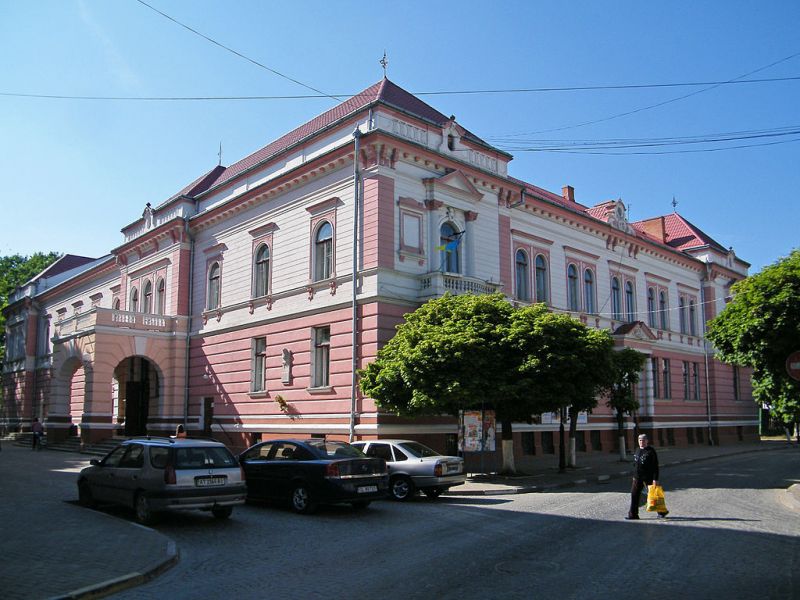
{"points": [[135, 390]]}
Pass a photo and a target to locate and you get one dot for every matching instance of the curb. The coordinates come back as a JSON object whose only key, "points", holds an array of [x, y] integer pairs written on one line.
{"points": [[124, 582], [531, 489], [791, 496]]}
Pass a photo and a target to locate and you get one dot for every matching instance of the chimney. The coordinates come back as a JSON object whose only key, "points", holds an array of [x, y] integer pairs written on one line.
{"points": [[568, 192]]}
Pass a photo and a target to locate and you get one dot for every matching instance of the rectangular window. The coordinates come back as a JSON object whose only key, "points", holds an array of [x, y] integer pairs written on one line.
{"points": [[656, 385], [667, 386], [696, 380], [687, 393], [321, 357], [736, 390], [259, 363]]}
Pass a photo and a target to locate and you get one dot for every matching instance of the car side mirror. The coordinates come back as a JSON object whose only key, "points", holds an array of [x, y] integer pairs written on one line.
{"points": [[94, 462]]}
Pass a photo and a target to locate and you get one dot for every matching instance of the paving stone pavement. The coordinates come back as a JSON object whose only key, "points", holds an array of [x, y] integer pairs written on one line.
{"points": [[50, 547]]}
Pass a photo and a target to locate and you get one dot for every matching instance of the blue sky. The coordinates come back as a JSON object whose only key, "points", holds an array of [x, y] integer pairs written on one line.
{"points": [[76, 171]]}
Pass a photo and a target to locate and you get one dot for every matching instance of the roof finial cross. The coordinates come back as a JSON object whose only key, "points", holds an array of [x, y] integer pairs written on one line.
{"points": [[384, 62], [220, 153], [674, 203]]}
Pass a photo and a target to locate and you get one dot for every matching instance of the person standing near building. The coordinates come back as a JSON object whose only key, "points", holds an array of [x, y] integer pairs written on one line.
{"points": [[38, 432], [645, 472]]}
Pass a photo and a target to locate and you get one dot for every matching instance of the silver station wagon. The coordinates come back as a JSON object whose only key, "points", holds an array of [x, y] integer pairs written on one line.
{"points": [[413, 466], [156, 474]]}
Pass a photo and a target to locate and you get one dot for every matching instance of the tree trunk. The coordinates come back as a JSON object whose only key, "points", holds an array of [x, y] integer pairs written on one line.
{"points": [[573, 430], [508, 448], [562, 462], [621, 434]]}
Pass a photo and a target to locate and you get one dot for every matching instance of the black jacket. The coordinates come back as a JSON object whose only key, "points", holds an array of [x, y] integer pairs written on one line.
{"points": [[645, 464]]}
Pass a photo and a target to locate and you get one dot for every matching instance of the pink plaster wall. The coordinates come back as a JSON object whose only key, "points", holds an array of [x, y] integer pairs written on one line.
{"points": [[379, 227]]}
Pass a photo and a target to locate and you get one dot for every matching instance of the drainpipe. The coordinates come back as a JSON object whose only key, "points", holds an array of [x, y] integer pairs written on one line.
{"points": [[705, 357], [356, 201], [188, 323]]}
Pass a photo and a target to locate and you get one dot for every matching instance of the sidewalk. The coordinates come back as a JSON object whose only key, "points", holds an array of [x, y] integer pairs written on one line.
{"points": [[52, 548], [542, 473]]}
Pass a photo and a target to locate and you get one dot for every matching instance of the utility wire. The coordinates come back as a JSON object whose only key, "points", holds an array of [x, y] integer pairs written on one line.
{"points": [[658, 104], [611, 153], [239, 54], [434, 93]]}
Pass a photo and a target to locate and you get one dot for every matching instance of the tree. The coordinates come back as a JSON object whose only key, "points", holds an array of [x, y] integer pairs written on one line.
{"points": [[626, 364], [15, 271], [451, 354], [566, 365], [760, 328]]}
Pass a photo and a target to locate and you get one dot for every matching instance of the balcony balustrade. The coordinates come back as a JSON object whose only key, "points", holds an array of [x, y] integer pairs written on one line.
{"points": [[434, 285], [90, 321]]}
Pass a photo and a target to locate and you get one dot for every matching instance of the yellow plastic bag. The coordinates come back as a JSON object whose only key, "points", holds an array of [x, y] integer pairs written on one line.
{"points": [[655, 499]]}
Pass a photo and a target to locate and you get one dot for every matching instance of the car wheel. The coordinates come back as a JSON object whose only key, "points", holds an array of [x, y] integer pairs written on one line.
{"points": [[144, 514], [301, 500], [433, 492], [222, 512], [401, 488], [85, 497], [361, 504]]}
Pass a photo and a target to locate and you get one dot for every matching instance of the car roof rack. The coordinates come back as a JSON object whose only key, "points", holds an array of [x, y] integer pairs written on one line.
{"points": [[158, 438]]}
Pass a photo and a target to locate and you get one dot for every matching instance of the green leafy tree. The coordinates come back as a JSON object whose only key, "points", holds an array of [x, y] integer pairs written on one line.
{"points": [[565, 366], [451, 354], [15, 271], [760, 328], [626, 366]]}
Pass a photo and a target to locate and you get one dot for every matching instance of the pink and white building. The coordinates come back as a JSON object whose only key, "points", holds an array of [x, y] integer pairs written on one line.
{"points": [[232, 306]]}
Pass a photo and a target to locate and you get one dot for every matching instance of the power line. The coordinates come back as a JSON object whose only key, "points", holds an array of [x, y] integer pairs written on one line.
{"points": [[666, 151], [434, 93], [239, 54]]}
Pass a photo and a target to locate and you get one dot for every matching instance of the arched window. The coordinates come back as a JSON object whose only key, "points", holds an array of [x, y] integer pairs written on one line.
{"points": [[692, 318], [572, 287], [449, 241], [682, 314], [542, 291], [213, 300], [161, 297], [134, 306], [523, 290], [630, 304], [261, 272], [616, 300], [662, 308], [115, 306], [588, 291], [147, 300], [323, 252], [651, 307]]}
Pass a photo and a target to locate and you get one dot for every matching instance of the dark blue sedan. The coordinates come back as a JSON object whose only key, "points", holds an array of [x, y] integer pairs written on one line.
{"points": [[310, 472]]}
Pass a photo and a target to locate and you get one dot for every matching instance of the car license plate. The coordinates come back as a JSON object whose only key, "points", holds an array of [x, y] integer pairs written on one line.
{"points": [[366, 489], [209, 481]]}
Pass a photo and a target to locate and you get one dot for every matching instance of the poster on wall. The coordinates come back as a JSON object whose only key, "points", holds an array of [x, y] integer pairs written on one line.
{"points": [[476, 434]]}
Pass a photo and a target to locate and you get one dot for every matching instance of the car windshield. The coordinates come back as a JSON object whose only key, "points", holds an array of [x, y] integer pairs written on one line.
{"points": [[203, 457], [418, 450], [327, 449]]}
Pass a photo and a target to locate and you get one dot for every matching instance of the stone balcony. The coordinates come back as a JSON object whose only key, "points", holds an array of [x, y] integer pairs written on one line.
{"points": [[434, 285], [122, 320]]}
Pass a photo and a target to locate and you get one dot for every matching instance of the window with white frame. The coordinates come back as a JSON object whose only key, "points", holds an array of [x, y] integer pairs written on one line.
{"points": [[522, 276], [261, 272], [656, 384], [651, 307], [682, 314], [214, 286], [321, 357], [161, 297], [696, 380], [662, 308], [737, 392], [542, 278], [259, 364], [323, 251], [616, 299], [134, 304], [687, 392], [588, 291], [630, 302], [449, 242], [572, 287], [147, 297], [692, 317], [666, 377]]}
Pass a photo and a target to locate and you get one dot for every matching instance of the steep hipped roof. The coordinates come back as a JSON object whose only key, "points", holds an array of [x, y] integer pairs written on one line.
{"points": [[539, 192], [683, 235], [384, 92]]}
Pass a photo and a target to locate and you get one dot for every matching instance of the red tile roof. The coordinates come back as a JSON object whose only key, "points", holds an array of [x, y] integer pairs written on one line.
{"points": [[683, 235], [383, 92], [547, 195]]}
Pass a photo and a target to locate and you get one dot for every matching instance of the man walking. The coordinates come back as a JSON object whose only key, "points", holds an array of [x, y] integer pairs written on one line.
{"points": [[645, 472]]}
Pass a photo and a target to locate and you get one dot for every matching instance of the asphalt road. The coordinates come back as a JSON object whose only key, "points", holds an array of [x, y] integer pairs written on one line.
{"points": [[728, 536]]}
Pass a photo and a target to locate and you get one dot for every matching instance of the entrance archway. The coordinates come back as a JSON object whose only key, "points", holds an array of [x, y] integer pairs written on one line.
{"points": [[135, 392]]}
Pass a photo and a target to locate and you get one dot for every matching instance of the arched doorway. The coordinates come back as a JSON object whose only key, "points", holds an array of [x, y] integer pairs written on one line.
{"points": [[135, 390]]}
